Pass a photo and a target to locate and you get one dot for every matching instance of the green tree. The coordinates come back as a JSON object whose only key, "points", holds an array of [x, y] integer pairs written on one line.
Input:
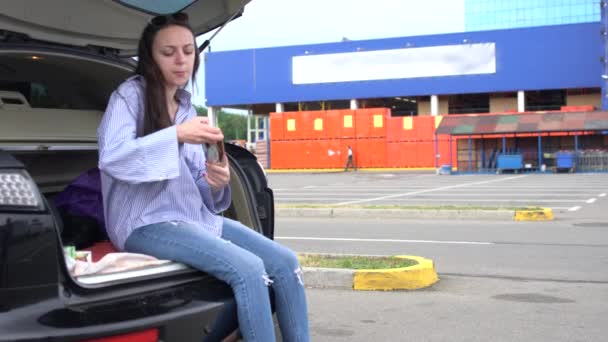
{"points": [[234, 126]]}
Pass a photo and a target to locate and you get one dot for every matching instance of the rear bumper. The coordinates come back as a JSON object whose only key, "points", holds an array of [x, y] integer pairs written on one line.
{"points": [[183, 313]]}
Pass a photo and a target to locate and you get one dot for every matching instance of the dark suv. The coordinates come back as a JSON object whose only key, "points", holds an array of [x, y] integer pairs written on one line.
{"points": [[59, 62]]}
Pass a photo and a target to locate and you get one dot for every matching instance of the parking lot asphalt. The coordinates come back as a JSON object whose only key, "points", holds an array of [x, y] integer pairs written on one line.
{"points": [[569, 195]]}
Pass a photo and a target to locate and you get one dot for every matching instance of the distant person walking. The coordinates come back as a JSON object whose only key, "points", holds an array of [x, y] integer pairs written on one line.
{"points": [[350, 162]]}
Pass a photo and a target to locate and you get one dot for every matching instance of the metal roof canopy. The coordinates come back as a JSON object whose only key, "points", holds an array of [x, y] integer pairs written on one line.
{"points": [[484, 124]]}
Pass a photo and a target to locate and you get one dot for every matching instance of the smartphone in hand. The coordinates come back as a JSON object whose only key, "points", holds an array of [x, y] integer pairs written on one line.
{"points": [[214, 152]]}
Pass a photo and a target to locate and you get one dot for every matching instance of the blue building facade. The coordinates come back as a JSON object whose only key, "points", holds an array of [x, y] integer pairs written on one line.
{"points": [[524, 59]]}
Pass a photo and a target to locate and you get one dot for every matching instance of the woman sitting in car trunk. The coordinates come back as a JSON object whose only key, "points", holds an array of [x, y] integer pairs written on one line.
{"points": [[162, 197]]}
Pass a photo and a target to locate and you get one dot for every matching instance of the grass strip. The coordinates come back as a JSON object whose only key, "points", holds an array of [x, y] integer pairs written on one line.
{"points": [[353, 262], [403, 207]]}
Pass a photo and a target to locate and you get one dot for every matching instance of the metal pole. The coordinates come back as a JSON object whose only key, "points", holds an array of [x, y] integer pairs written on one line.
{"points": [[451, 164], [504, 144], [483, 153], [436, 152], [604, 59], [540, 152], [470, 153], [575, 152]]}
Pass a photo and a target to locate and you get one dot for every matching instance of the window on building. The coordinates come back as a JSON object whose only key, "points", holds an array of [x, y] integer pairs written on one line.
{"points": [[400, 105], [469, 103], [545, 99]]}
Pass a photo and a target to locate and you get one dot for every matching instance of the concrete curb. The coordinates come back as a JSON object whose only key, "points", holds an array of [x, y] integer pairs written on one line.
{"points": [[397, 213], [371, 169], [542, 214], [407, 278]]}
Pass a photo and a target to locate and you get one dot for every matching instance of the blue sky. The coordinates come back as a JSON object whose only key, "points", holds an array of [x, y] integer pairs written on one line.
{"points": [[268, 23]]}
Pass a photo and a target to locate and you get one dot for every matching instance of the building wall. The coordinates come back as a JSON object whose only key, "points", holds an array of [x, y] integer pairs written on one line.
{"points": [[502, 104], [584, 100], [424, 107], [567, 59]]}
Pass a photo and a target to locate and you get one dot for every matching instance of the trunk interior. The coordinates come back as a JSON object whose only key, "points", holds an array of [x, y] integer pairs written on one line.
{"points": [[51, 104]]}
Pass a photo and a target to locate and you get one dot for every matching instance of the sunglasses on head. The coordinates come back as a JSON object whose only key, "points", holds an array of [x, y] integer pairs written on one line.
{"points": [[162, 20]]}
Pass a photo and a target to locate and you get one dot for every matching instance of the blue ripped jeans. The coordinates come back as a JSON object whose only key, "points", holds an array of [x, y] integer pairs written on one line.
{"points": [[244, 259]]}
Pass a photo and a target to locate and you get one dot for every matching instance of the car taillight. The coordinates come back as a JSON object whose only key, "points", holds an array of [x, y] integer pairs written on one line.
{"points": [[150, 335], [18, 190]]}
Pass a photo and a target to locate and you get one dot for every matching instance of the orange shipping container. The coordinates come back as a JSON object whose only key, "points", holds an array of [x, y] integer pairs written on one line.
{"points": [[444, 151], [276, 126], [335, 154], [316, 125], [394, 154], [340, 124], [401, 128], [425, 128], [291, 125], [304, 129], [328, 153], [279, 154], [317, 155], [406, 154], [371, 152], [425, 154], [371, 122]]}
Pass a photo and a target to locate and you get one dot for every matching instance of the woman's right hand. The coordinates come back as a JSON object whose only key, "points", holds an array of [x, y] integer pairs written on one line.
{"points": [[198, 131]]}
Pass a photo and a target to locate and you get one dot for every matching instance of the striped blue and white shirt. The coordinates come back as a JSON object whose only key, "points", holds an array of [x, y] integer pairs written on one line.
{"points": [[153, 178]]}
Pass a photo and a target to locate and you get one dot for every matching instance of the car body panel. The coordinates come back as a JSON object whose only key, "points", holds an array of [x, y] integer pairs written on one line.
{"points": [[87, 22]]}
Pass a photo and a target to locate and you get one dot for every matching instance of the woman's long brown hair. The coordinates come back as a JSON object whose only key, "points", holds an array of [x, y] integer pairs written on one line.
{"points": [[156, 116]]}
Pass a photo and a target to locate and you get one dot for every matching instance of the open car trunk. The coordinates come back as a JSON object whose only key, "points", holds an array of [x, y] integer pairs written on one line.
{"points": [[50, 106]]}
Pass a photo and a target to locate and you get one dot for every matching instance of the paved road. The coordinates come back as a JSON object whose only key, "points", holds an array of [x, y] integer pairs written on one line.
{"points": [[567, 194], [500, 281]]}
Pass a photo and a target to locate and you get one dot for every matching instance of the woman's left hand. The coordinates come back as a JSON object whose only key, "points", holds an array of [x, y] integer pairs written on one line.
{"points": [[218, 174]]}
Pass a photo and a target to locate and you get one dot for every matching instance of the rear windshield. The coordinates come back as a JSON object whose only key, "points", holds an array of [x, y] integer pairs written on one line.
{"points": [[158, 6]]}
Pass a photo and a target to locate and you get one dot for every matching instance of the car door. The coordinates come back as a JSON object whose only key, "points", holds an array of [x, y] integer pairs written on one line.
{"points": [[109, 24]]}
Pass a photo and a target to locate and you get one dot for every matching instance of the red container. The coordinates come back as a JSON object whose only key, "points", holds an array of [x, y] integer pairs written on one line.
{"points": [[317, 154], [425, 154], [317, 125], [403, 128], [371, 122], [276, 126], [335, 154], [278, 154], [425, 128], [340, 124], [292, 126], [371, 152], [333, 124], [444, 151], [395, 154], [348, 124]]}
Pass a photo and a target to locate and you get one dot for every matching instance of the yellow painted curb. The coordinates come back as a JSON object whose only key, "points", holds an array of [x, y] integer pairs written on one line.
{"points": [[543, 214], [406, 278]]}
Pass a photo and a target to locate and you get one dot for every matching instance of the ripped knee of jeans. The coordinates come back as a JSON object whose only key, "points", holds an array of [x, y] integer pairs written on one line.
{"points": [[267, 280], [300, 274]]}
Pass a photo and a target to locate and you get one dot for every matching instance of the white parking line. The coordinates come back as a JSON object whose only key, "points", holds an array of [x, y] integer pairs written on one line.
{"points": [[383, 240], [429, 190], [432, 199], [574, 208], [602, 195], [591, 200], [309, 187]]}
